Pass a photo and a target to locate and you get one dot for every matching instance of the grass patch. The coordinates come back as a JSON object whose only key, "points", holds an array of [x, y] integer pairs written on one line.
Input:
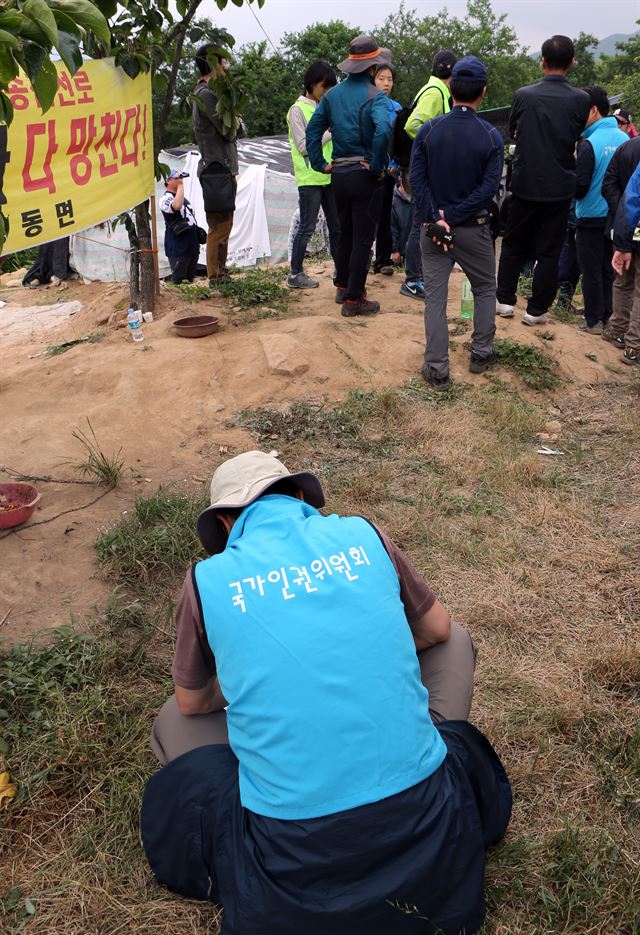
{"points": [[97, 466], [191, 292], [533, 366], [565, 315], [54, 350], [155, 542], [260, 286]]}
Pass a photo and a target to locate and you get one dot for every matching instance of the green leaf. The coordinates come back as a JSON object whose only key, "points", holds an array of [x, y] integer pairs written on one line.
{"points": [[7, 39], [45, 84], [130, 65], [181, 7], [108, 8], [11, 20], [69, 41], [39, 12], [33, 55], [8, 65], [87, 15], [31, 31]]}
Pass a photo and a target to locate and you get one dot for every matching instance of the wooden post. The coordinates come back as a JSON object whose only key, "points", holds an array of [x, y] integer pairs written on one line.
{"points": [[154, 242]]}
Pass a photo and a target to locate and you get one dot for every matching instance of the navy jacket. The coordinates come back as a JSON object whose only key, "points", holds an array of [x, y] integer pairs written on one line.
{"points": [[456, 166], [621, 168], [357, 114]]}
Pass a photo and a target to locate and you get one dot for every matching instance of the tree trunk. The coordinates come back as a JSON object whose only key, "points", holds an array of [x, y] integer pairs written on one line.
{"points": [[134, 267], [179, 33], [147, 272]]}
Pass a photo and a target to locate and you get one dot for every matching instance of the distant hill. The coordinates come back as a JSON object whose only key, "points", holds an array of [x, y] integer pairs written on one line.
{"points": [[606, 46]]}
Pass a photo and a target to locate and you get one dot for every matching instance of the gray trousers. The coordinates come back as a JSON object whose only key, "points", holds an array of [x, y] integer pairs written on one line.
{"points": [[446, 670], [473, 251]]}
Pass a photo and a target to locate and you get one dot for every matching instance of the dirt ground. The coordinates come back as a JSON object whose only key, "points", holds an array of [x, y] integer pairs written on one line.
{"points": [[167, 404]]}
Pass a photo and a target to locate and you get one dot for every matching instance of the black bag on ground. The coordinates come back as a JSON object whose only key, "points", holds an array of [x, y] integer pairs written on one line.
{"points": [[217, 188]]}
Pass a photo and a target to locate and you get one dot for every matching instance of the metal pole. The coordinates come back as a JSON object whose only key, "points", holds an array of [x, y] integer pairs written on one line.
{"points": [[154, 244]]}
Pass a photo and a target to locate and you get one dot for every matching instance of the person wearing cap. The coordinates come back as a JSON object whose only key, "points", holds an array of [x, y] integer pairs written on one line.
{"points": [[432, 100], [456, 167], [181, 234], [357, 113], [546, 121], [217, 145], [625, 122], [321, 772]]}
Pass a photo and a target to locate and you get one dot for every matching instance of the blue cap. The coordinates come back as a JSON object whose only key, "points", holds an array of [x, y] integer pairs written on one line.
{"points": [[470, 68]]}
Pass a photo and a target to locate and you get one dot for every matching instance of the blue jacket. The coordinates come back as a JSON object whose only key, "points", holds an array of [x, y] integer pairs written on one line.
{"points": [[456, 166], [595, 150], [632, 199], [358, 115]]}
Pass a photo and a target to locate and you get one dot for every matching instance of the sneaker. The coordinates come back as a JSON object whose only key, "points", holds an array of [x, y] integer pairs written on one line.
{"points": [[615, 339], [505, 311], [528, 319], [363, 306], [341, 294], [479, 364], [430, 376], [591, 329], [301, 281], [414, 289], [631, 355]]}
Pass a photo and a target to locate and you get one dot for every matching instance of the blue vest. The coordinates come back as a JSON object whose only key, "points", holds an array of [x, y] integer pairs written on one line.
{"points": [[605, 137], [317, 661]]}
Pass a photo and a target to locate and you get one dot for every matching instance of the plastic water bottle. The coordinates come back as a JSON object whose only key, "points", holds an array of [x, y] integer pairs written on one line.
{"points": [[466, 299], [134, 318]]}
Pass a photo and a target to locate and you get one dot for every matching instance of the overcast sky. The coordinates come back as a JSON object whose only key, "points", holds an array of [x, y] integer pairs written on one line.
{"points": [[533, 20]]}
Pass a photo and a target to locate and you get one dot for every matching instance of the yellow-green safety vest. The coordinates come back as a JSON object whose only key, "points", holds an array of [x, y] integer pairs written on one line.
{"points": [[305, 175]]}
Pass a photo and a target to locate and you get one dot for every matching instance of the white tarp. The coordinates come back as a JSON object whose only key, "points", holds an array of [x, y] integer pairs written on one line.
{"points": [[101, 253]]}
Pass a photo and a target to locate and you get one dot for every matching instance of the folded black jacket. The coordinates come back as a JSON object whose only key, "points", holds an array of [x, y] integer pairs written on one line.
{"points": [[546, 120]]}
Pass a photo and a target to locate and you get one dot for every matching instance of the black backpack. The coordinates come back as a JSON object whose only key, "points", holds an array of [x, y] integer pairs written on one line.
{"points": [[401, 142]]}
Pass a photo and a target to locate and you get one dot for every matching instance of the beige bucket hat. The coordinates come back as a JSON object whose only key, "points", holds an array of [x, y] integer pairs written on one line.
{"points": [[241, 480]]}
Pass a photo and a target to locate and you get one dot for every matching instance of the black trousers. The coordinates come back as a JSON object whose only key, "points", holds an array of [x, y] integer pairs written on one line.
{"points": [[383, 233], [358, 196], [535, 229], [183, 268], [595, 252], [568, 269]]}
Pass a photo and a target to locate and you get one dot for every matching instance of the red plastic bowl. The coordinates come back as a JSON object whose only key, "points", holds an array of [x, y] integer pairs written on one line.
{"points": [[26, 498]]}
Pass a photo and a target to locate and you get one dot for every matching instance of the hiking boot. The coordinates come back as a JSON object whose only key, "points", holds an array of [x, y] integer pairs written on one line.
{"points": [[479, 364], [528, 319], [505, 311], [591, 329], [615, 339], [413, 289], [631, 355], [301, 281], [363, 306], [341, 294], [430, 376]]}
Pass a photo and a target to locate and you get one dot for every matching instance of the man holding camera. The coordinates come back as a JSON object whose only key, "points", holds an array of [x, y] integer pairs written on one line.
{"points": [[182, 234], [456, 166]]}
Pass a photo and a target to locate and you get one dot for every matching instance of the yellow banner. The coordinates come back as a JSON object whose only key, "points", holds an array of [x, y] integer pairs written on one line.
{"points": [[86, 159]]}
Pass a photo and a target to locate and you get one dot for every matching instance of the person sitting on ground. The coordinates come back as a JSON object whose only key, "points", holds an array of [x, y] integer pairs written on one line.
{"points": [[357, 114], [598, 143], [384, 80], [181, 240], [321, 772], [456, 167], [401, 218], [623, 328], [314, 188], [432, 100]]}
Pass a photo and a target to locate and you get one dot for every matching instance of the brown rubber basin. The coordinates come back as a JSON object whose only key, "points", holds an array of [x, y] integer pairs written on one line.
{"points": [[196, 326]]}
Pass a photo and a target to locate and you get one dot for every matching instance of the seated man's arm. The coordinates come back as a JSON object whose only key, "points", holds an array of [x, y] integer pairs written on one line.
{"points": [[432, 627], [194, 667]]}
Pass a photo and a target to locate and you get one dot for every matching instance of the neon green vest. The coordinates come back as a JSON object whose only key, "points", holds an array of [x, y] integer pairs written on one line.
{"points": [[305, 175]]}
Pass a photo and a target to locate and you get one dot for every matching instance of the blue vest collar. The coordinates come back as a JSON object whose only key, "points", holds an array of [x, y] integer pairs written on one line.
{"points": [[610, 122], [265, 508]]}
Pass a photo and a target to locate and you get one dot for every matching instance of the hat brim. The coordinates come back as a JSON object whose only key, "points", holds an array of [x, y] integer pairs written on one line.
{"points": [[212, 533], [355, 66]]}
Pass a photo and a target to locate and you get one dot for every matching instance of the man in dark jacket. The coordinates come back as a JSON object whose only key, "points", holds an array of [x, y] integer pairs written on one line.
{"points": [[598, 143], [357, 114], [217, 144], [623, 328], [313, 784], [456, 167], [546, 120]]}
